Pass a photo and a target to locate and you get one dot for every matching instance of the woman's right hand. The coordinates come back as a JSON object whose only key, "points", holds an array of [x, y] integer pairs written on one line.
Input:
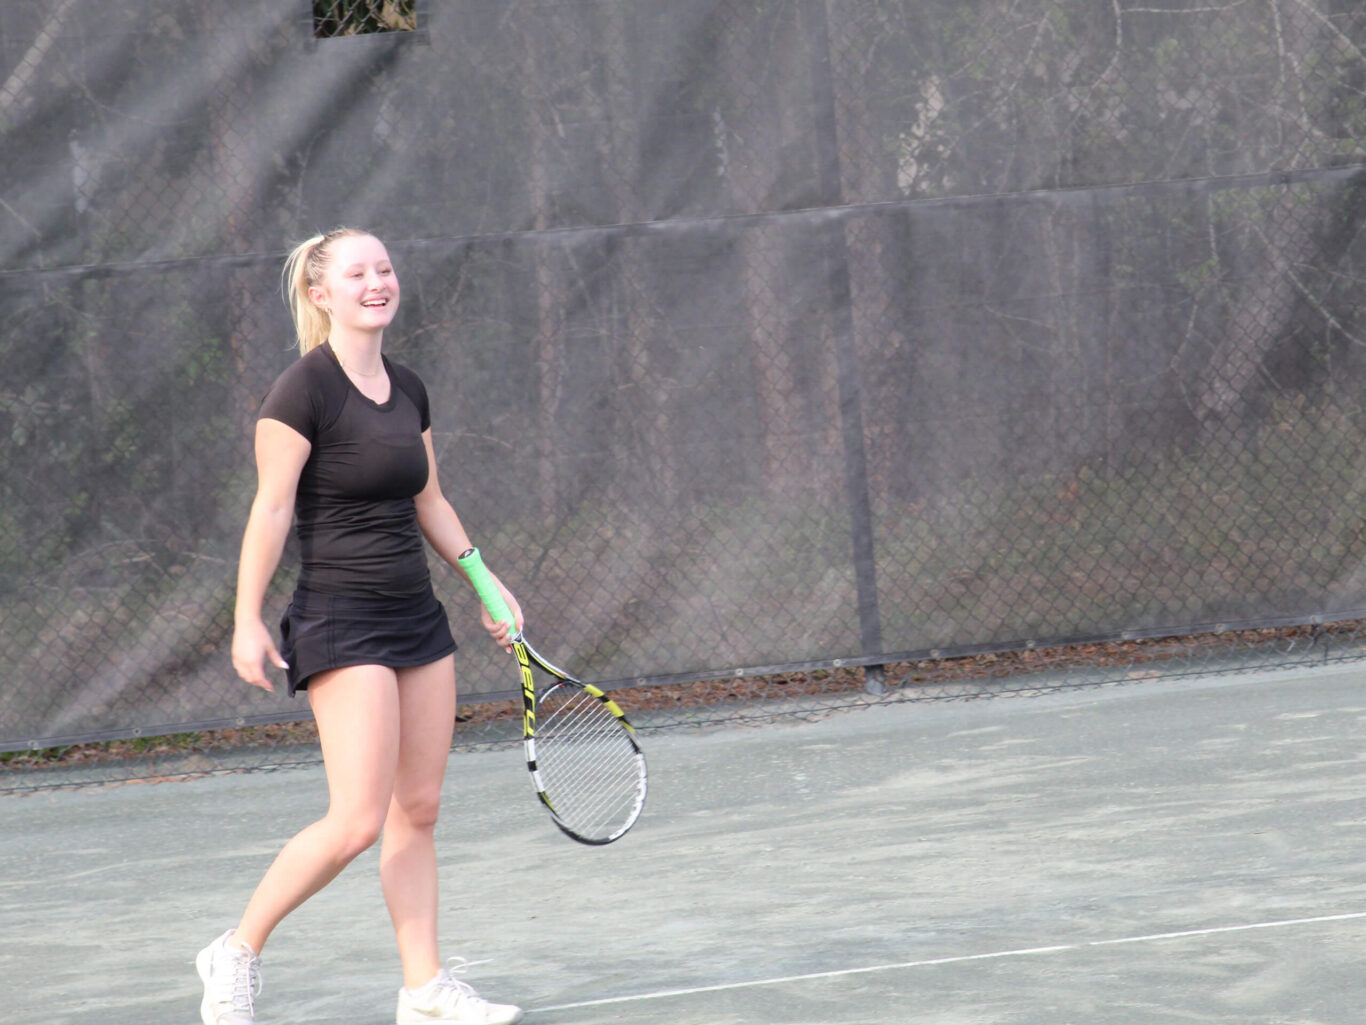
{"points": [[252, 646]]}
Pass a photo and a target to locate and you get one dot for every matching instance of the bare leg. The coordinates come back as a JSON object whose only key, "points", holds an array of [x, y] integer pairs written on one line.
{"points": [[357, 711], [407, 863]]}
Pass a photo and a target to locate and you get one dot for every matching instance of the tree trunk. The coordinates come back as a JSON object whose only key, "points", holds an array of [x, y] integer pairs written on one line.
{"points": [[1261, 304]]}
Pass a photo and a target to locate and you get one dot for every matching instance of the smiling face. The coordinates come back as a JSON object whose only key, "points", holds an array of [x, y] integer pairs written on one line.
{"points": [[359, 288]]}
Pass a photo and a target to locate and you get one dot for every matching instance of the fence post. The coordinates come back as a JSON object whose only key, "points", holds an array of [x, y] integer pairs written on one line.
{"points": [[849, 377]]}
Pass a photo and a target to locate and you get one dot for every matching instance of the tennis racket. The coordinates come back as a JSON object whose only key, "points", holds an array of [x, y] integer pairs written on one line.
{"points": [[582, 754]]}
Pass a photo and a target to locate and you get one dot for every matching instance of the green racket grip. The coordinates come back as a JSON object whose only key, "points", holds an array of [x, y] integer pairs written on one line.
{"points": [[473, 565]]}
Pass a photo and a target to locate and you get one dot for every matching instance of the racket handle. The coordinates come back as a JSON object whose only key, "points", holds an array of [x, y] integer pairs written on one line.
{"points": [[473, 565]]}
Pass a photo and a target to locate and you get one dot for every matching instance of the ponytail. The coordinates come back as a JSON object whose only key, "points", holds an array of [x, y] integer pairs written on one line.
{"points": [[303, 268]]}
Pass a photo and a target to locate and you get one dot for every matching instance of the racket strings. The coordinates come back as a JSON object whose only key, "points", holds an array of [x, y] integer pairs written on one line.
{"points": [[592, 752], [599, 797], [590, 769]]}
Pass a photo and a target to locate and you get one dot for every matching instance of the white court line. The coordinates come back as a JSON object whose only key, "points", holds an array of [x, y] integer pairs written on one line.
{"points": [[960, 959]]}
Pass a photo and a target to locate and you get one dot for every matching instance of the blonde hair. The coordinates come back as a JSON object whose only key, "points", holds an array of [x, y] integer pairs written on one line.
{"points": [[305, 267]]}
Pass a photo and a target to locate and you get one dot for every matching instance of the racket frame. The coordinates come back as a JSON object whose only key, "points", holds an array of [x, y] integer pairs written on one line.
{"points": [[527, 656]]}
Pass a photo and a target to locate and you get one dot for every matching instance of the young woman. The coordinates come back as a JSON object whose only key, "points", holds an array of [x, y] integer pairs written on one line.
{"points": [[344, 450]]}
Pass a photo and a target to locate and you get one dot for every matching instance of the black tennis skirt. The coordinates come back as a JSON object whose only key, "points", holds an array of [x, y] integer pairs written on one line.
{"points": [[319, 632]]}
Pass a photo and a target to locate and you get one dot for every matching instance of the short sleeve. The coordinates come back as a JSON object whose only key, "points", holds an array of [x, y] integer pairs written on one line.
{"points": [[292, 402], [415, 390]]}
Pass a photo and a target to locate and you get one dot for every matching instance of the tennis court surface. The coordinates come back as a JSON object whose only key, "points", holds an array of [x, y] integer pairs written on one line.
{"points": [[1179, 850]]}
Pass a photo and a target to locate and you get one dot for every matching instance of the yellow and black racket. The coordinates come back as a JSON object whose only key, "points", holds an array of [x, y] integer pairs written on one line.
{"points": [[582, 754]]}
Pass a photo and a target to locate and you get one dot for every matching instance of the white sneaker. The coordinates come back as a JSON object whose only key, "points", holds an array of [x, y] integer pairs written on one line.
{"points": [[232, 980], [448, 1001]]}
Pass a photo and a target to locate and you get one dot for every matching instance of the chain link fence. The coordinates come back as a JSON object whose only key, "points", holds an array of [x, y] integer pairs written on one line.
{"points": [[779, 352], [333, 19]]}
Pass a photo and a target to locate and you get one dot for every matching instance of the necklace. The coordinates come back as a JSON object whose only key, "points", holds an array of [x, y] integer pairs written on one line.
{"points": [[353, 370]]}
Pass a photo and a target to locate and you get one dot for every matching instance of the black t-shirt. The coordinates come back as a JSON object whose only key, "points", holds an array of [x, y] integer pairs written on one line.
{"points": [[354, 512]]}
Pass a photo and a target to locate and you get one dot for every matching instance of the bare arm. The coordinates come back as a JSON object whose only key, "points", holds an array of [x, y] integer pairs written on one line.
{"points": [[280, 456], [445, 533]]}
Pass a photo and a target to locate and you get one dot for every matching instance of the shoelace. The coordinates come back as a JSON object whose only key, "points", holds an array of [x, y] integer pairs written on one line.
{"points": [[246, 981], [447, 979]]}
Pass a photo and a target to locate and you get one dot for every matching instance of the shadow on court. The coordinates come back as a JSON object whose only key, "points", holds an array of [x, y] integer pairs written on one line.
{"points": [[1185, 850]]}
